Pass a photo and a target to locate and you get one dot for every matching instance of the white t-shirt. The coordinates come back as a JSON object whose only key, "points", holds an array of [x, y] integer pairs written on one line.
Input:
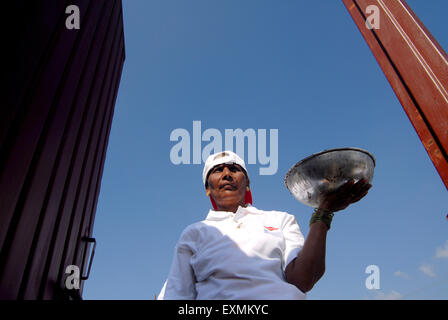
{"points": [[235, 256]]}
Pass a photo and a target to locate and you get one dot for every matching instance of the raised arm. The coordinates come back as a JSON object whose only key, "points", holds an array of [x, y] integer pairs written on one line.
{"points": [[309, 266]]}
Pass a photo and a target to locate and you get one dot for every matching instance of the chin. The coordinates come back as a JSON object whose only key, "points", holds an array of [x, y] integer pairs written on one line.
{"points": [[231, 201]]}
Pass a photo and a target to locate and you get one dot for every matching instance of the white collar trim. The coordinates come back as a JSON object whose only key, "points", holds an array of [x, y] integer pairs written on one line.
{"points": [[221, 215]]}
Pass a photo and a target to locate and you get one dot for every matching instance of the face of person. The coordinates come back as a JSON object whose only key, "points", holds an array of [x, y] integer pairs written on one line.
{"points": [[227, 186]]}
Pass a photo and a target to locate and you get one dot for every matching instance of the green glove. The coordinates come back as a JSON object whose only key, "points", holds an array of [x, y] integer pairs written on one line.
{"points": [[322, 215]]}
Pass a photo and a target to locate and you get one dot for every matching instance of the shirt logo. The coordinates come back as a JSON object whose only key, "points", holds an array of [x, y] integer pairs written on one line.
{"points": [[271, 228]]}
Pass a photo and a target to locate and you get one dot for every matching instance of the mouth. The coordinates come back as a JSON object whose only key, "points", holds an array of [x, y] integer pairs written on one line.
{"points": [[228, 186]]}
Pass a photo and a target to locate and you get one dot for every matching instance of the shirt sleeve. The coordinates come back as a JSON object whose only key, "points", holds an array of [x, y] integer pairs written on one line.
{"points": [[294, 239], [180, 284]]}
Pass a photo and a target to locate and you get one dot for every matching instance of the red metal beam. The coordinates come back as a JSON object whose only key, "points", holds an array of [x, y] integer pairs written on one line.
{"points": [[416, 67]]}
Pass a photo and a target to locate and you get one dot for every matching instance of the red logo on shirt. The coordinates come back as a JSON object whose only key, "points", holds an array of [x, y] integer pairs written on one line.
{"points": [[271, 228]]}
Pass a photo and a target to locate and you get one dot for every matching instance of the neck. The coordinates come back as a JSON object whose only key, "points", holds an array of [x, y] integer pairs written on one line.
{"points": [[231, 207]]}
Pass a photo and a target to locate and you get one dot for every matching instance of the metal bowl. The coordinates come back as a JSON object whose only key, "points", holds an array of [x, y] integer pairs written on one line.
{"points": [[313, 177]]}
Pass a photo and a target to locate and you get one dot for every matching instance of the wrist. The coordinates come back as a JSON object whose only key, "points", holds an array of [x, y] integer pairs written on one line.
{"points": [[322, 215]]}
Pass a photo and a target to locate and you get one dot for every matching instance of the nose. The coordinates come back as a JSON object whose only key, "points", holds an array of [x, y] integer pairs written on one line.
{"points": [[226, 172]]}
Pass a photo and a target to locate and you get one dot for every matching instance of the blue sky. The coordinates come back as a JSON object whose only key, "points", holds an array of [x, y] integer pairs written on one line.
{"points": [[302, 68]]}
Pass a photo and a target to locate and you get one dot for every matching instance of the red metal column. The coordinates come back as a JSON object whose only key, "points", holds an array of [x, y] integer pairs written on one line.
{"points": [[416, 66]]}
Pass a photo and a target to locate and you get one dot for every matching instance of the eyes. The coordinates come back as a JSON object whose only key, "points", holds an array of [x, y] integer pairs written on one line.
{"points": [[231, 167]]}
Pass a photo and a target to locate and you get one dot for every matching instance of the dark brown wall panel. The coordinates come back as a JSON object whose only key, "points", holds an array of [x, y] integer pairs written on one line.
{"points": [[80, 253], [76, 186], [27, 19], [53, 140]]}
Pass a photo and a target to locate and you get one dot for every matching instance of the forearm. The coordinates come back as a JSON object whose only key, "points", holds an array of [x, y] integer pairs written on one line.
{"points": [[309, 266]]}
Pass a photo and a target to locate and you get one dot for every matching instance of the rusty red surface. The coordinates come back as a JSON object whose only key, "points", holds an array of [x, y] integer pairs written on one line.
{"points": [[416, 67]]}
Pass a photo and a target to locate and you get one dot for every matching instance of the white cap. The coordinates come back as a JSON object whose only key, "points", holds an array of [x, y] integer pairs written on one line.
{"points": [[220, 158]]}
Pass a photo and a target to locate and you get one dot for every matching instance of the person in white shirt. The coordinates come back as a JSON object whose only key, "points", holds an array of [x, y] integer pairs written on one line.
{"points": [[242, 253]]}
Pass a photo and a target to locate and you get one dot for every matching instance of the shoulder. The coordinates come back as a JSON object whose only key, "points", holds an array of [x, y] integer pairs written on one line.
{"points": [[277, 213], [191, 230], [194, 231], [282, 217]]}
